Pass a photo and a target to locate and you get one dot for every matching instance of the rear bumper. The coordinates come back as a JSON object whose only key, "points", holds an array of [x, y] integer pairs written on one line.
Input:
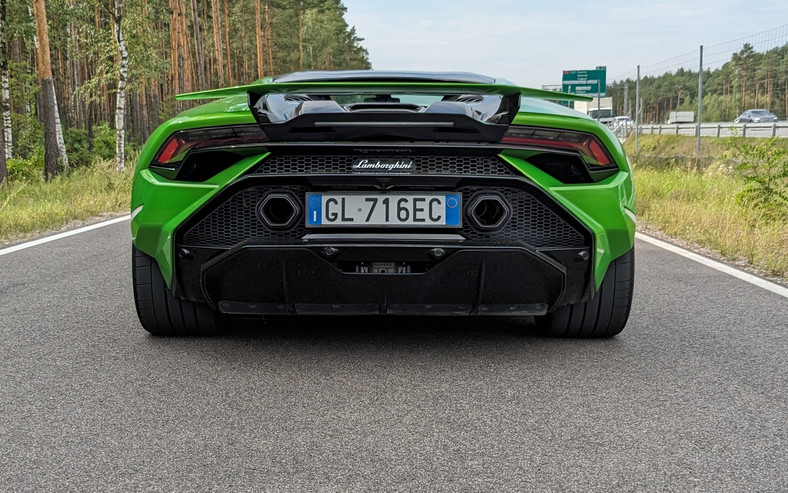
{"points": [[226, 255], [320, 279]]}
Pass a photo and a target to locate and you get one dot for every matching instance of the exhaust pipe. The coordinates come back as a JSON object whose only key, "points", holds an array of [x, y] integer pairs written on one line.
{"points": [[488, 212], [279, 210]]}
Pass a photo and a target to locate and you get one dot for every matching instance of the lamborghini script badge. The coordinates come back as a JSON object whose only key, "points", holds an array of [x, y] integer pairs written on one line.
{"points": [[383, 165]]}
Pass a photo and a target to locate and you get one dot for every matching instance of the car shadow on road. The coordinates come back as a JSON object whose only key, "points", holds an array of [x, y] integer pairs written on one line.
{"points": [[339, 341], [382, 327]]}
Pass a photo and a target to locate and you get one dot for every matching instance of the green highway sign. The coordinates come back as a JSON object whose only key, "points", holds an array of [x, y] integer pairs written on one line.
{"points": [[586, 82]]}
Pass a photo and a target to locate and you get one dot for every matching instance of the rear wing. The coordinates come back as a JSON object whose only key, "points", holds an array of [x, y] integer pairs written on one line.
{"points": [[311, 111]]}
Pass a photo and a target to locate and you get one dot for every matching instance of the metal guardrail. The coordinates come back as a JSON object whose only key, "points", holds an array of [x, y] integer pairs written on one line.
{"points": [[719, 129]]}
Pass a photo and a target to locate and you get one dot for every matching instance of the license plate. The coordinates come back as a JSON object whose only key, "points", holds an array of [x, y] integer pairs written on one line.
{"points": [[404, 210]]}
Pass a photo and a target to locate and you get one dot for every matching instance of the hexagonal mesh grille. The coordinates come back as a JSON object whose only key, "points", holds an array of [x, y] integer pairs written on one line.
{"points": [[532, 222], [235, 220], [301, 164]]}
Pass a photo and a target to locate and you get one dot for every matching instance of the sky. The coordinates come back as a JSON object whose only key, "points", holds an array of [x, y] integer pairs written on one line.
{"points": [[531, 42]]}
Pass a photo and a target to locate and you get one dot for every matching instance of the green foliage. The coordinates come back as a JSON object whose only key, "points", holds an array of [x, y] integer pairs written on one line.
{"points": [[29, 170], [77, 147], [28, 161], [763, 165], [28, 135], [329, 43], [104, 141], [23, 85]]}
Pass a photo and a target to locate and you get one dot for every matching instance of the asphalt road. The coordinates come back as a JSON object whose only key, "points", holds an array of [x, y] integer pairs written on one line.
{"points": [[692, 396]]}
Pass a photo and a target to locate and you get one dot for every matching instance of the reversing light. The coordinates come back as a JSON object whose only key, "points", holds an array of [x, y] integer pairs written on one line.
{"points": [[589, 146]]}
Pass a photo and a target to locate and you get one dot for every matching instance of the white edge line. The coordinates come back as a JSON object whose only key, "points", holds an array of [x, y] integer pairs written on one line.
{"points": [[64, 234], [757, 281]]}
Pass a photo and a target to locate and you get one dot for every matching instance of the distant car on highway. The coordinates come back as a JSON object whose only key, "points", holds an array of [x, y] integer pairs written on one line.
{"points": [[756, 116]]}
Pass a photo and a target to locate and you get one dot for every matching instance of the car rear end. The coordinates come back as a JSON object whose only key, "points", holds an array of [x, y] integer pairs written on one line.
{"points": [[344, 194]]}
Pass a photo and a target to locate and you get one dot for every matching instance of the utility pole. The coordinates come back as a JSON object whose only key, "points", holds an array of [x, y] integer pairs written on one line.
{"points": [[626, 98], [637, 114], [700, 99]]}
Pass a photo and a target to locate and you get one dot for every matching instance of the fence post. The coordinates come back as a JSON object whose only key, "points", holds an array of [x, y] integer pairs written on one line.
{"points": [[719, 128], [700, 98], [774, 129], [744, 130], [637, 114]]}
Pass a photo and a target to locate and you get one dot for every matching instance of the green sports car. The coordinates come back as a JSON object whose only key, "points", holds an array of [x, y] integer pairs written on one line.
{"points": [[371, 192]]}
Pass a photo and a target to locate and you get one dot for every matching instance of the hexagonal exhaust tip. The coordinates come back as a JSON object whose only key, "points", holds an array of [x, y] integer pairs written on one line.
{"points": [[279, 210], [488, 211]]}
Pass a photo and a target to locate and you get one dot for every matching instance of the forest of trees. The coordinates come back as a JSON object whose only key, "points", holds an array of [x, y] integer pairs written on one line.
{"points": [[117, 64], [749, 80], [81, 78]]}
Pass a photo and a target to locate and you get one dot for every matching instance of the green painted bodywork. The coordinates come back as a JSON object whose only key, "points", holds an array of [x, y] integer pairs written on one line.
{"points": [[159, 205]]}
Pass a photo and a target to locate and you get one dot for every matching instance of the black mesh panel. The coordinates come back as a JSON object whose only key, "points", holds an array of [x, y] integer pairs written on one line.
{"points": [[300, 164], [235, 220]]}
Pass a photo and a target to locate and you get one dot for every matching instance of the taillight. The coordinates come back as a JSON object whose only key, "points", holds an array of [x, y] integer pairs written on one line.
{"points": [[169, 150], [180, 144], [589, 146]]}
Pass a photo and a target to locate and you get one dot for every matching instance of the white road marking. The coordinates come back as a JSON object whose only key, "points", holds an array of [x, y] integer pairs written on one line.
{"points": [[757, 281], [64, 234]]}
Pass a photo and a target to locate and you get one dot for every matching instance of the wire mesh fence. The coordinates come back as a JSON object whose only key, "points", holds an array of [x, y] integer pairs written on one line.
{"points": [[739, 87]]}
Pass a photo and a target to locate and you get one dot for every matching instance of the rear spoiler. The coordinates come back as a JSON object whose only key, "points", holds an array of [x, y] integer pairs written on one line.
{"points": [[305, 111]]}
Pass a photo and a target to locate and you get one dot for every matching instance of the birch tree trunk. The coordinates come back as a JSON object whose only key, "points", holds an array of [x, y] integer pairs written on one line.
{"points": [[8, 136], [3, 164], [61, 144], [4, 69], [120, 108], [8, 140], [4, 63]]}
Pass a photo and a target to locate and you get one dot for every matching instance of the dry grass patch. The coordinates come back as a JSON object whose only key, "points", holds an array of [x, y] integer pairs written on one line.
{"points": [[703, 208], [28, 208]]}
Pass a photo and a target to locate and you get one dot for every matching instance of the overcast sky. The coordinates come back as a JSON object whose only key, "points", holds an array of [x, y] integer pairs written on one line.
{"points": [[531, 42]]}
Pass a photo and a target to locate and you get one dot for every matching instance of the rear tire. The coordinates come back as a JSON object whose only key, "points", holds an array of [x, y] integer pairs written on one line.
{"points": [[604, 315], [162, 314]]}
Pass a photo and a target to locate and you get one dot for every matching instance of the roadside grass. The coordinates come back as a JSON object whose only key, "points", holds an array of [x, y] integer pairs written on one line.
{"points": [[32, 207], [704, 208]]}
